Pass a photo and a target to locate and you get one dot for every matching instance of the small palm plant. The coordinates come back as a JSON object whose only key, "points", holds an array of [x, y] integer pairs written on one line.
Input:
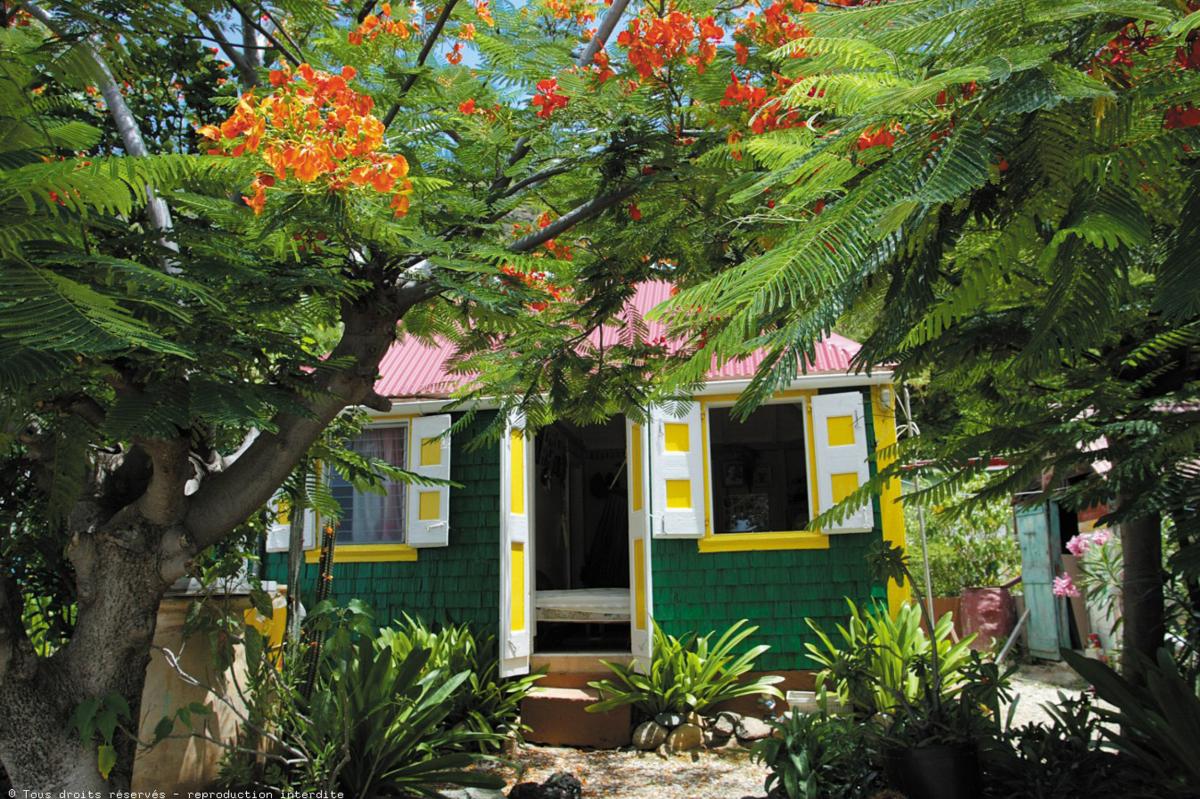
{"points": [[689, 674]]}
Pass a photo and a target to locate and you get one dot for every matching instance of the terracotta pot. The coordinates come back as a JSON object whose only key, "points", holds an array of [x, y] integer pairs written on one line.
{"points": [[949, 604], [989, 612]]}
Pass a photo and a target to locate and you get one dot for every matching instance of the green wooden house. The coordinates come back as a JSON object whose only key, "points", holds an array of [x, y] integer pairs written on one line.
{"points": [[570, 541]]}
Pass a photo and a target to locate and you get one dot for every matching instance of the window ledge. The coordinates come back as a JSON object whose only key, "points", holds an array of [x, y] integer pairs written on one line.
{"points": [[366, 553], [754, 542]]}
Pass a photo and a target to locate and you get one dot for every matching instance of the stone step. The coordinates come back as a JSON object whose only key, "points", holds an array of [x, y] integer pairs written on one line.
{"points": [[558, 716]]}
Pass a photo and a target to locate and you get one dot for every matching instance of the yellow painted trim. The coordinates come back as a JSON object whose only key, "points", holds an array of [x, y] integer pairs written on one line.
{"points": [[679, 494], [366, 553], [431, 452], [891, 510], [517, 575], [639, 587], [516, 469], [393, 417], [758, 542], [635, 461], [840, 430], [755, 542], [843, 485]]}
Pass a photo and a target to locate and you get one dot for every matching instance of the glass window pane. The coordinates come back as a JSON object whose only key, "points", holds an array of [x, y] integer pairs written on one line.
{"points": [[370, 518], [759, 470]]}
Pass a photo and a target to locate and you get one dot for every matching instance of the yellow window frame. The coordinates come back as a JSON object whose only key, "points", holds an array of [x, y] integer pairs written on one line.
{"points": [[372, 553], [759, 542]]}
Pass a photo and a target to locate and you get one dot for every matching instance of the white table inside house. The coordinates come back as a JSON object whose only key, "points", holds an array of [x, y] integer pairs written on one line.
{"points": [[587, 605]]}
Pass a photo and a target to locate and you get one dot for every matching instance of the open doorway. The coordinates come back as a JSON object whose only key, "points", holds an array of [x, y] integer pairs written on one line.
{"points": [[581, 538]]}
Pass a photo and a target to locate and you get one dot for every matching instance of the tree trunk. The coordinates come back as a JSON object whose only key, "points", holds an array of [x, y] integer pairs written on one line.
{"points": [[1142, 588], [120, 589]]}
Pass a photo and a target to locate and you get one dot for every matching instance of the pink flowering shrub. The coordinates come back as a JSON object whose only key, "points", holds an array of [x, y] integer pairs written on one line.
{"points": [[1081, 543], [1065, 586]]}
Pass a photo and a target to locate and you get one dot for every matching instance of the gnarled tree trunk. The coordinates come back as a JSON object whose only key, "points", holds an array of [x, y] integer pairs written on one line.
{"points": [[132, 536]]}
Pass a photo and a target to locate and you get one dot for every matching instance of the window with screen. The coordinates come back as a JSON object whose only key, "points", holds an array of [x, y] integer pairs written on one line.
{"points": [[758, 470], [367, 517]]}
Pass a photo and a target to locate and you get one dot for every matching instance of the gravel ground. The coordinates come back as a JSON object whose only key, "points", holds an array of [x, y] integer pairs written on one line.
{"points": [[625, 774], [1039, 685], [725, 773]]}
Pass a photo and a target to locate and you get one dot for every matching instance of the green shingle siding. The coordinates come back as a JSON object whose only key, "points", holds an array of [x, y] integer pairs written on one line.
{"points": [[458, 583], [776, 590]]}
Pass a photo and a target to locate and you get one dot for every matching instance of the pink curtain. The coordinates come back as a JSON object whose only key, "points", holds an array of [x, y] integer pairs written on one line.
{"points": [[379, 518]]}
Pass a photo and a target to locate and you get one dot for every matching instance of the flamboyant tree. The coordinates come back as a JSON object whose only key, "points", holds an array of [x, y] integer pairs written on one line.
{"points": [[218, 216], [1004, 197]]}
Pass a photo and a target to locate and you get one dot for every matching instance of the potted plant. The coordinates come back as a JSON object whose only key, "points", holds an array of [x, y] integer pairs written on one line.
{"points": [[929, 744]]}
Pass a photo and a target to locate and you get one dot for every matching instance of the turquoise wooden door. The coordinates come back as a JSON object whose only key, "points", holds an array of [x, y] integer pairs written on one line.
{"points": [[1038, 531]]}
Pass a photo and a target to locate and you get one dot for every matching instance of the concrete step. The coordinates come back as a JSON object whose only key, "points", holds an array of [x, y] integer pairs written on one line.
{"points": [[558, 716]]}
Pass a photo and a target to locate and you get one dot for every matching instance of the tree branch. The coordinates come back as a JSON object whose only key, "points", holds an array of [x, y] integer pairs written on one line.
{"points": [[426, 49], [581, 213], [118, 109], [279, 27], [611, 18], [163, 501], [294, 58], [249, 76], [226, 499], [16, 652]]}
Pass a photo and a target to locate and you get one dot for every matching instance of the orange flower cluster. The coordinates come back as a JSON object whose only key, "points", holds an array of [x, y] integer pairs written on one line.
{"points": [[885, 136], [548, 99], [539, 281], [372, 26], [312, 125], [766, 111], [581, 11], [774, 28], [654, 41], [484, 12], [601, 67]]}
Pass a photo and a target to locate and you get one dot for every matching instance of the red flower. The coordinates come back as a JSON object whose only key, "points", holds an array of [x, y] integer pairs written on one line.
{"points": [[635, 213], [467, 106], [1182, 117], [548, 98]]}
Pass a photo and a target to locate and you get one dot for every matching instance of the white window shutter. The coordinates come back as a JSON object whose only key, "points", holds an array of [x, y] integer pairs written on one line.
{"points": [[517, 610], [429, 506], [279, 528], [840, 437], [676, 474]]}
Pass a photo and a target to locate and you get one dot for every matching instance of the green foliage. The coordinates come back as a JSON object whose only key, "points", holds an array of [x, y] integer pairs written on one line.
{"points": [[391, 713], [97, 721], [377, 725], [687, 675], [485, 703], [971, 544], [1021, 253], [1064, 759], [879, 662], [1156, 723], [818, 757]]}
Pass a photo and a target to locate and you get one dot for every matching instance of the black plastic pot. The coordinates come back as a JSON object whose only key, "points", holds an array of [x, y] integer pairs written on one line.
{"points": [[937, 771]]}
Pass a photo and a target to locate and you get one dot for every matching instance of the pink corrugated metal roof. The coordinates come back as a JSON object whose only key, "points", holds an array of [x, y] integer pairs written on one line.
{"points": [[412, 369]]}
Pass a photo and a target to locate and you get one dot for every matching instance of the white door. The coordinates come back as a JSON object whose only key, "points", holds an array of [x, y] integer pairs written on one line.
{"points": [[641, 629], [516, 551]]}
